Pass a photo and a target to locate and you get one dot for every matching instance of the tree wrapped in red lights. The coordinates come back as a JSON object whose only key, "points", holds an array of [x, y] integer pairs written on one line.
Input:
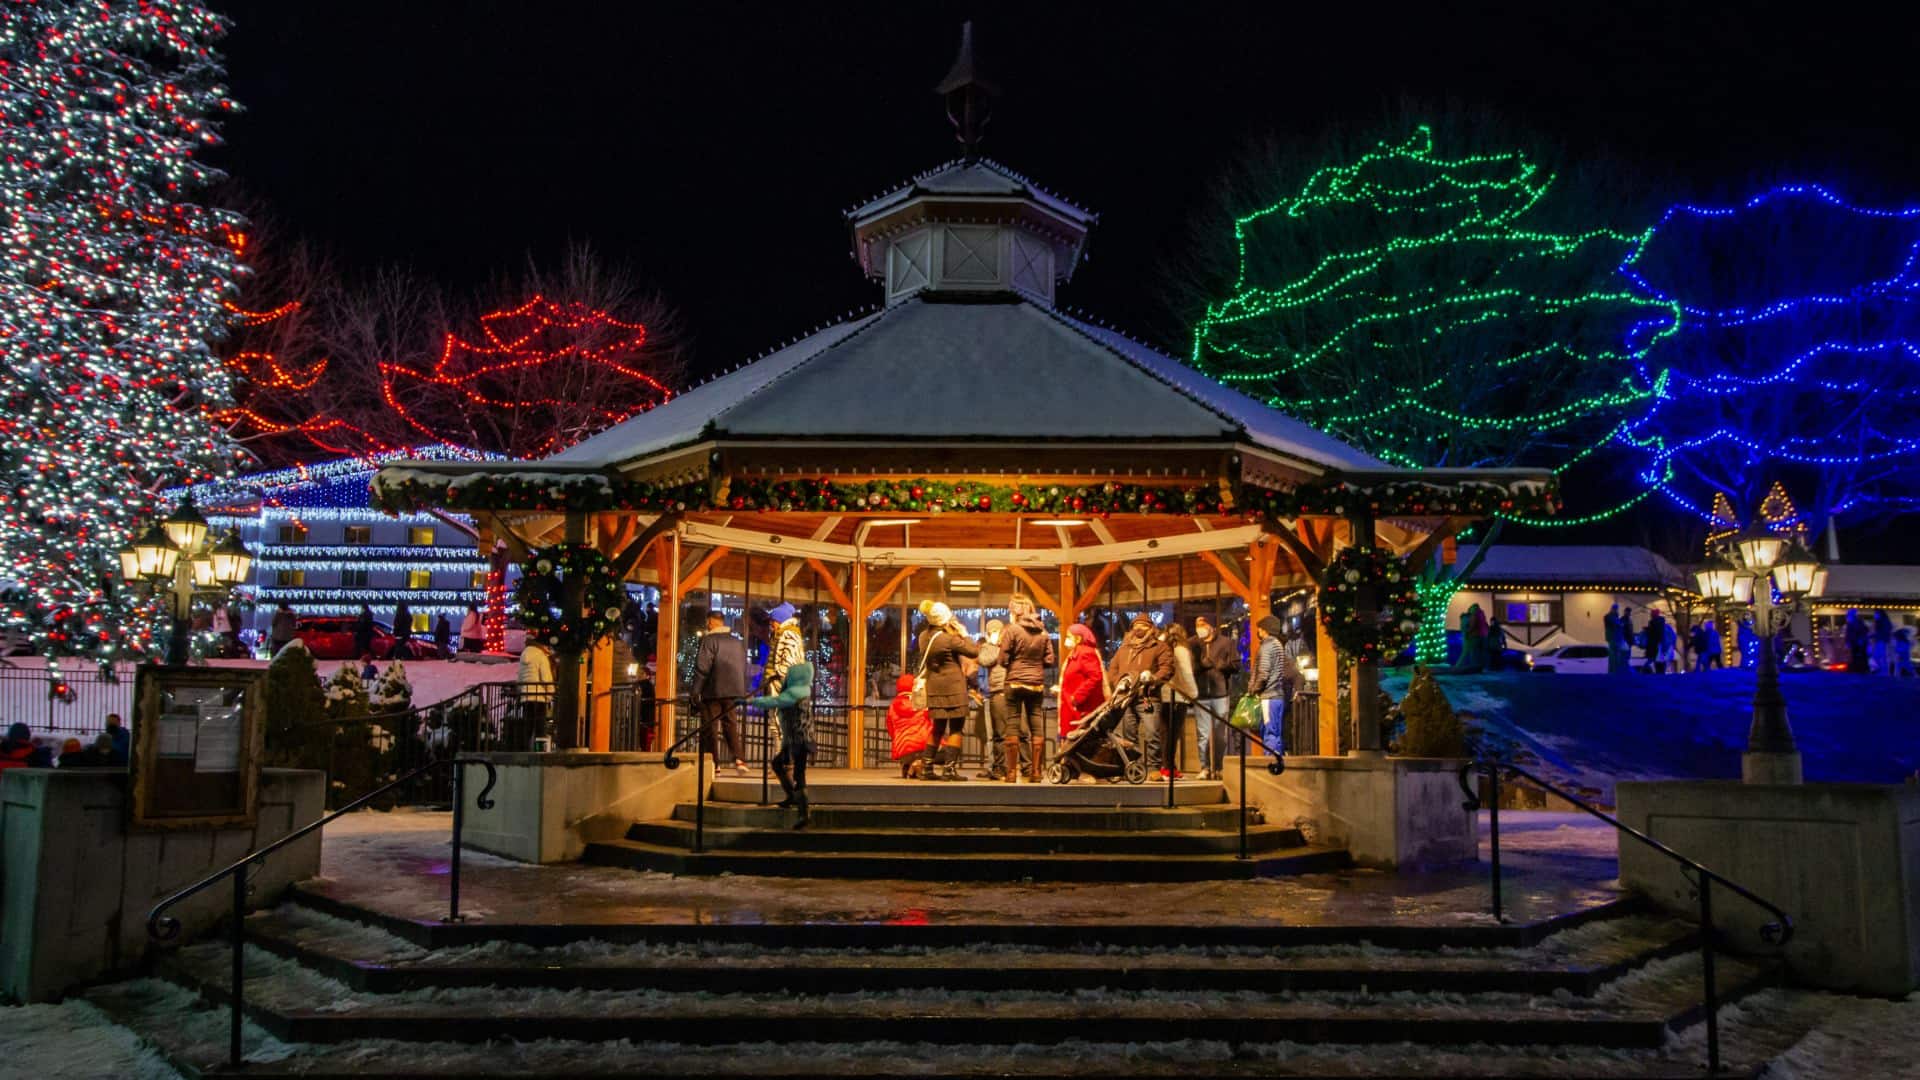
{"points": [[112, 286]]}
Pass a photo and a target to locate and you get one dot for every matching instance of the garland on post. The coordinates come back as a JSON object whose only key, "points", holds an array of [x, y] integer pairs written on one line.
{"points": [[1353, 571], [542, 593]]}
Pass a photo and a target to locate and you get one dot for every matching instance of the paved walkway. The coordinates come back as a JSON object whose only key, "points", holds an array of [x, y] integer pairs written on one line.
{"points": [[397, 864]]}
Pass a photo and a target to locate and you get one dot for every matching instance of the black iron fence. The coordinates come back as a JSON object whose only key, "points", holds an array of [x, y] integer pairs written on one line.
{"points": [[70, 702]]}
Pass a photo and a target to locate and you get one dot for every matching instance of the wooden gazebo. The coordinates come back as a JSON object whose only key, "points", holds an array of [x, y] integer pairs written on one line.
{"points": [[967, 434]]}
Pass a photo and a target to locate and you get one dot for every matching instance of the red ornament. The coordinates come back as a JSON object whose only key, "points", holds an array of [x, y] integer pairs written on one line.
{"points": [[985, 503]]}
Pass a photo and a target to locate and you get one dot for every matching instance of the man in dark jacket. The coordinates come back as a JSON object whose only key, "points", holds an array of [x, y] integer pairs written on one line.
{"points": [[402, 632], [1147, 660], [719, 682], [1216, 662], [284, 625]]}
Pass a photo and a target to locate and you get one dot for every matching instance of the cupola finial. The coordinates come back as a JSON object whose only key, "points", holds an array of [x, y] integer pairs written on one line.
{"points": [[969, 97]]}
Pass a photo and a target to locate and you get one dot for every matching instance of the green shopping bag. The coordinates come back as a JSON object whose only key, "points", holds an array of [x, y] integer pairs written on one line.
{"points": [[1247, 714]]}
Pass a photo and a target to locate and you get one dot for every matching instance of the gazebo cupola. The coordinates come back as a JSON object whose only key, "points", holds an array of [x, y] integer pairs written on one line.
{"points": [[972, 225]]}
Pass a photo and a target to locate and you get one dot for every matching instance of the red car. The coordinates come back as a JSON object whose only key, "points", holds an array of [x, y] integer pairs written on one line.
{"points": [[330, 637]]}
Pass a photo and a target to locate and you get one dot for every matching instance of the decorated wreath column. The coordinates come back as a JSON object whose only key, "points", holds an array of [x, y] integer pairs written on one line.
{"points": [[1370, 608], [569, 599]]}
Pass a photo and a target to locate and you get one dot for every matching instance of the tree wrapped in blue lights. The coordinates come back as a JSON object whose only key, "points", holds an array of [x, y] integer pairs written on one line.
{"points": [[112, 285], [1431, 309], [1798, 361]]}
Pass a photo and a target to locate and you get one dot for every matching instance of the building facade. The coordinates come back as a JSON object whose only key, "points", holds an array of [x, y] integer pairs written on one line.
{"points": [[1546, 597]]}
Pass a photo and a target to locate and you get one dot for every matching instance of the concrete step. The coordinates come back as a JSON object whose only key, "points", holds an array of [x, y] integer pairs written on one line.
{"points": [[776, 837], [1576, 963], [867, 816], [299, 1006], [924, 865], [883, 789]]}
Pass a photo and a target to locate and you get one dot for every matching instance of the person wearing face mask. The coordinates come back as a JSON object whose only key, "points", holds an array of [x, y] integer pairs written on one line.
{"points": [[1146, 660], [993, 716], [1026, 652], [1083, 678], [945, 645]]}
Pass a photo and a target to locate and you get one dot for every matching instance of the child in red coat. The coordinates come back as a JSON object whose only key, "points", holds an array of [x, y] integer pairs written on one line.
{"points": [[910, 728]]}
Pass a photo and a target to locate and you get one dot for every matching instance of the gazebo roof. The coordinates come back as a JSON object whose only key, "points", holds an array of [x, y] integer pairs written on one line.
{"points": [[974, 368]]}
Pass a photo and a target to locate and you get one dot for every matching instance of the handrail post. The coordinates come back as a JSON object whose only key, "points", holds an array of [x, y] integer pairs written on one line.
{"points": [[1243, 795], [700, 786], [459, 818], [1493, 823], [766, 754], [1706, 970], [237, 1002]]}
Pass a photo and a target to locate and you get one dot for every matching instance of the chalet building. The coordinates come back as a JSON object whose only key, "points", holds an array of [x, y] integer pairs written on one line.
{"points": [[1552, 596]]}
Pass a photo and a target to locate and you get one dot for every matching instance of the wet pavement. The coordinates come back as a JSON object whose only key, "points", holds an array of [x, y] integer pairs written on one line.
{"points": [[397, 864]]}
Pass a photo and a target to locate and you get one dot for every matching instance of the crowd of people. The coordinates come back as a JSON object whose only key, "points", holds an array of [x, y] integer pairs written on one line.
{"points": [[110, 749], [1879, 648]]}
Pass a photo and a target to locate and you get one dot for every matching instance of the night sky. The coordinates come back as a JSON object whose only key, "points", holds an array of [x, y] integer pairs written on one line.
{"points": [[713, 146]]}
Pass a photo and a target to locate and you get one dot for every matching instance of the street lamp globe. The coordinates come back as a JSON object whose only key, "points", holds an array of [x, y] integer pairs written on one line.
{"points": [[185, 527], [129, 564], [202, 565], [1794, 570], [1743, 588], [155, 555], [1759, 548], [1717, 577], [232, 562]]}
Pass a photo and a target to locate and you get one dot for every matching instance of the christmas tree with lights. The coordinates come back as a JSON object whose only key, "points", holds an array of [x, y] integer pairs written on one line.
{"points": [[1425, 308], [114, 284]]}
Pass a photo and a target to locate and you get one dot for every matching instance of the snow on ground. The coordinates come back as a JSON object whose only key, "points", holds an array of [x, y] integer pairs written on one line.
{"points": [[1588, 731], [74, 1039]]}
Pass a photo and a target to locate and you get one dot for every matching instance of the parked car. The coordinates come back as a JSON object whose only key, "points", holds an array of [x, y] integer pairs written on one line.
{"points": [[1573, 660], [330, 637]]}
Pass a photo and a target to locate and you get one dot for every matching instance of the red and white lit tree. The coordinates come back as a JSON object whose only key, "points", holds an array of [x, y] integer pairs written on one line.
{"points": [[112, 287]]}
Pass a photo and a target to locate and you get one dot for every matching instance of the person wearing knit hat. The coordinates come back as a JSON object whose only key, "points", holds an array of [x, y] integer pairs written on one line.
{"points": [[788, 646], [1145, 659], [1083, 678], [1216, 661], [944, 648], [1271, 682]]}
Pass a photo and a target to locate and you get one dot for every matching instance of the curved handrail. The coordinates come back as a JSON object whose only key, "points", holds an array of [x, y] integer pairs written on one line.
{"points": [[164, 927], [1248, 739], [1778, 932]]}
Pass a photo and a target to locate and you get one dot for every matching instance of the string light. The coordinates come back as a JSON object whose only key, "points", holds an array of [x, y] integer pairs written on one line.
{"points": [[1808, 366], [112, 284], [526, 355], [1439, 328]]}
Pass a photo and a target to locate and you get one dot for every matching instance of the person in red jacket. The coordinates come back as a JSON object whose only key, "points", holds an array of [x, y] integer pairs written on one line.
{"points": [[910, 728], [1083, 678]]}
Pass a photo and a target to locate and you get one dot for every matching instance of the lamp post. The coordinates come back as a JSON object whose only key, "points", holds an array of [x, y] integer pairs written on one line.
{"points": [[1760, 562], [178, 556]]}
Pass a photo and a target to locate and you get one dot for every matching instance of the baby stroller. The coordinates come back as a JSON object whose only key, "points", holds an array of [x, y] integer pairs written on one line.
{"points": [[1095, 747]]}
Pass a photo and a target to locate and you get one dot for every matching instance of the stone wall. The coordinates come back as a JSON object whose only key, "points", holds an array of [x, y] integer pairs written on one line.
{"points": [[1842, 859], [1386, 811], [549, 807], [76, 886]]}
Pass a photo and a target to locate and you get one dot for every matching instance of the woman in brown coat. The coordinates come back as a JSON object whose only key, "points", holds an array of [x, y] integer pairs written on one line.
{"points": [[945, 647]]}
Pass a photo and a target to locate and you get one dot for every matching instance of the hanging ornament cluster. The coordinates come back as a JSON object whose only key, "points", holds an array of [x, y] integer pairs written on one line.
{"points": [[1410, 498], [569, 598], [926, 496], [1355, 575]]}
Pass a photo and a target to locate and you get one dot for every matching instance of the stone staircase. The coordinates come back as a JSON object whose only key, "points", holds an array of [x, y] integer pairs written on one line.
{"points": [[972, 832], [338, 991]]}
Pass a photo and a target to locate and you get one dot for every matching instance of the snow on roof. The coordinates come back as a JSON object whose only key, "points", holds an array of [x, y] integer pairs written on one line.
{"points": [[1264, 425], [1575, 564], [685, 417], [979, 177], [1847, 581], [932, 367]]}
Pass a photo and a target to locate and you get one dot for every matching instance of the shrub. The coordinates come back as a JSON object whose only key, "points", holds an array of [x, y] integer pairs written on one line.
{"points": [[1432, 728]]}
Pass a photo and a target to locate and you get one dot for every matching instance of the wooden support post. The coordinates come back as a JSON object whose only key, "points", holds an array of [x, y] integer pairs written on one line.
{"points": [[857, 667], [666, 674], [600, 707], [569, 666], [1084, 598], [1068, 611], [1363, 685], [1328, 659]]}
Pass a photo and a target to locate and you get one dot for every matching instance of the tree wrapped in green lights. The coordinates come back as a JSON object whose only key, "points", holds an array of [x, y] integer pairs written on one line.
{"points": [[1428, 310], [112, 284]]}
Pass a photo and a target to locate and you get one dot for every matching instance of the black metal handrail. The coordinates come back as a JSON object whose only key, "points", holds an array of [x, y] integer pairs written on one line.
{"points": [[1247, 741], [696, 736], [1776, 933], [164, 927]]}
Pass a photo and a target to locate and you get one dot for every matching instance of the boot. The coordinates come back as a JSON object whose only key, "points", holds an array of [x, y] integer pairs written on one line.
{"points": [[786, 785], [1010, 751], [1039, 749], [800, 803]]}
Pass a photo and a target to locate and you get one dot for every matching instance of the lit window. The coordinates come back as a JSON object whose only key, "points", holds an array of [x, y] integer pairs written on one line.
{"points": [[1533, 613], [419, 579], [359, 534], [290, 579], [479, 579], [293, 534], [420, 536], [422, 622], [354, 579]]}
